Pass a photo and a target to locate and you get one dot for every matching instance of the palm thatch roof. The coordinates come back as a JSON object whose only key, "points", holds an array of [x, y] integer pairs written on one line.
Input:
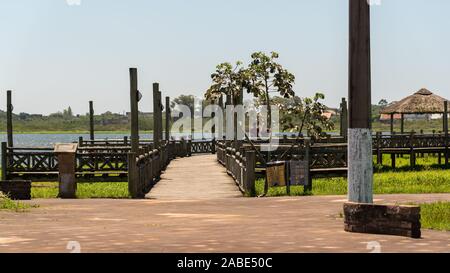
{"points": [[421, 102]]}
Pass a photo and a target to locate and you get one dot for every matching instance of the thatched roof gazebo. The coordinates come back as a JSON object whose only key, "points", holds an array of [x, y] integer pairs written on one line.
{"points": [[421, 102]]}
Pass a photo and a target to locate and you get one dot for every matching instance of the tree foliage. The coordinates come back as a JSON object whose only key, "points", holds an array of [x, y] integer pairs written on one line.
{"points": [[298, 114]]}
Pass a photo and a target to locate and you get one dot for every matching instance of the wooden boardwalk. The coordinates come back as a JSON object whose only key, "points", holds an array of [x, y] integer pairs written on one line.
{"points": [[195, 178]]}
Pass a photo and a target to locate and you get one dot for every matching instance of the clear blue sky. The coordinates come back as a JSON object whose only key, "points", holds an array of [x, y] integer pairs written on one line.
{"points": [[54, 55]]}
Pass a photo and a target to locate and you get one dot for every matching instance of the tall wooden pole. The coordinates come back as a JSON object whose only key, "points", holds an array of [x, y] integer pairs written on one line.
{"points": [[9, 124], [134, 111], [360, 169], [91, 120], [167, 118], [156, 119]]}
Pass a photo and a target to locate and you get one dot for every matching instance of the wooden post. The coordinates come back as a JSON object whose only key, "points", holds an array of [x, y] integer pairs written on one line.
{"points": [[167, 118], [308, 188], [213, 127], [133, 179], [160, 116], [9, 124], [344, 119], [134, 111], [4, 161], [156, 119], [402, 125], [220, 131], [360, 166], [412, 158], [91, 120], [228, 103], [379, 152], [446, 132], [249, 183], [392, 124]]}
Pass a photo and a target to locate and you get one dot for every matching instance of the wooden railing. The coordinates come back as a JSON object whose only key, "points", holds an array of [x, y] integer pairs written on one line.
{"points": [[93, 163], [146, 167], [194, 146], [202, 147], [240, 165]]}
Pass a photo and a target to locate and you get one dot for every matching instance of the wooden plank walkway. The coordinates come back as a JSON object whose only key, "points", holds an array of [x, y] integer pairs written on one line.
{"points": [[195, 178]]}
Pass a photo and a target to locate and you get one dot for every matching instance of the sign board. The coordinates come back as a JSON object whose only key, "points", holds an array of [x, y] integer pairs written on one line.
{"points": [[298, 173], [61, 148], [276, 174]]}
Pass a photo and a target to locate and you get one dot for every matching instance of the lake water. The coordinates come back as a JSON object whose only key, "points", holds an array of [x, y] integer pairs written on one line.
{"points": [[49, 140]]}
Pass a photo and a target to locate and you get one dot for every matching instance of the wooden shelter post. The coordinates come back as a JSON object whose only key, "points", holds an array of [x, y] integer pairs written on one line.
{"points": [[392, 124], [402, 125], [360, 166]]}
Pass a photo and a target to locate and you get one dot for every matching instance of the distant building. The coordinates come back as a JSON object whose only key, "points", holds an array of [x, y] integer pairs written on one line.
{"points": [[330, 112], [387, 117]]}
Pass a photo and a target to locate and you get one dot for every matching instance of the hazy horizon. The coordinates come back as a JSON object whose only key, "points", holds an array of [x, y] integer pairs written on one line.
{"points": [[54, 55]]}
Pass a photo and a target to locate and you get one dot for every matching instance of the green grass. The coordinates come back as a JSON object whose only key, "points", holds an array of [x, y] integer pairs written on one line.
{"points": [[7, 204], [116, 190], [428, 162], [411, 182], [436, 216]]}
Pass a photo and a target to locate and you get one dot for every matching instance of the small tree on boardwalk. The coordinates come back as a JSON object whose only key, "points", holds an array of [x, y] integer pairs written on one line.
{"points": [[228, 80], [304, 114], [266, 76]]}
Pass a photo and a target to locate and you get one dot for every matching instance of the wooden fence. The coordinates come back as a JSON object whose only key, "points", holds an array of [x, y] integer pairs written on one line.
{"points": [[98, 160], [328, 157]]}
